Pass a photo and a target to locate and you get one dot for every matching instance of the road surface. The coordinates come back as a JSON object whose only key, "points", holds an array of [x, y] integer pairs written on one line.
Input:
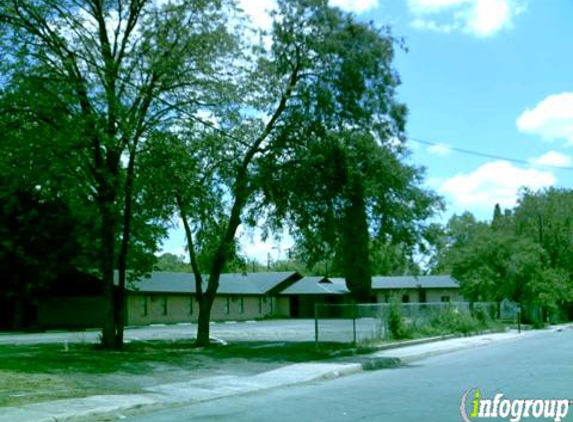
{"points": [[539, 366]]}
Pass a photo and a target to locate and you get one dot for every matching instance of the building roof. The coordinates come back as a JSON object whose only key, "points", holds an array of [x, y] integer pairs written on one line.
{"points": [[315, 286], [229, 284], [284, 283], [337, 286], [414, 282]]}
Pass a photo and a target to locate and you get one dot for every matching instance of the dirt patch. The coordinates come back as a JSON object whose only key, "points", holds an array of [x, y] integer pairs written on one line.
{"points": [[49, 372]]}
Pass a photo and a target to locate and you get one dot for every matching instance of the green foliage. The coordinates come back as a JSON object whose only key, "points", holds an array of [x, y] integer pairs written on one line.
{"points": [[136, 113], [342, 178], [453, 321], [397, 325], [392, 259], [169, 262], [38, 243], [523, 255], [98, 80]]}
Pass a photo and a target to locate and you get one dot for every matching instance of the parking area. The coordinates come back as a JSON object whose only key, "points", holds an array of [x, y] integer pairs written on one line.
{"points": [[270, 330]]}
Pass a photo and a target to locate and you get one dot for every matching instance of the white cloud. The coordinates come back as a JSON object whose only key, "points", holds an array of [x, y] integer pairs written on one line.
{"points": [[208, 117], [439, 149], [494, 182], [552, 158], [356, 6], [434, 6], [552, 118], [489, 16], [260, 18], [258, 11], [481, 18], [434, 182], [431, 25], [254, 247]]}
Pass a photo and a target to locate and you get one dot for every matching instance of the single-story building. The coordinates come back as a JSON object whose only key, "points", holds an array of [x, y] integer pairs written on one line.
{"points": [[74, 300], [308, 291], [165, 297], [421, 289]]}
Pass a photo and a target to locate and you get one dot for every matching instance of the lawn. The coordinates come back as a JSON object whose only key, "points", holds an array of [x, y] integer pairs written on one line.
{"points": [[32, 373]]}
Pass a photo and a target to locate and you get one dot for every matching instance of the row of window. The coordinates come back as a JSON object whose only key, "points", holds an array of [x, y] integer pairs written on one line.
{"points": [[163, 301], [421, 298]]}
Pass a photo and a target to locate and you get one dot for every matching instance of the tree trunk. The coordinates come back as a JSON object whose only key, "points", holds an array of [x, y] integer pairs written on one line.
{"points": [[207, 298], [203, 323], [121, 305], [355, 245], [120, 315], [107, 268]]}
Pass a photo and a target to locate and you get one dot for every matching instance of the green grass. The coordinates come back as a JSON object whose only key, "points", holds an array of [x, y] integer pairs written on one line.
{"points": [[31, 373]]}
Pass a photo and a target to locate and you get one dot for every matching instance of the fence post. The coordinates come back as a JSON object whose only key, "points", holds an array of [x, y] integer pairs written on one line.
{"points": [[354, 312], [316, 325]]}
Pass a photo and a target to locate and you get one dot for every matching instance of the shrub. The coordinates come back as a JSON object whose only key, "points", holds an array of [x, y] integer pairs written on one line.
{"points": [[396, 324], [451, 320]]}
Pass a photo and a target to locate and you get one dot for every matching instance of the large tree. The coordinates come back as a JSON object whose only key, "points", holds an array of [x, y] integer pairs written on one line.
{"points": [[342, 180], [348, 192], [106, 75], [321, 84], [503, 259], [546, 218]]}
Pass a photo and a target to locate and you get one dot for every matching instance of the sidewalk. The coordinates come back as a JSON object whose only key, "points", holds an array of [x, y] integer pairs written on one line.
{"points": [[204, 389]]}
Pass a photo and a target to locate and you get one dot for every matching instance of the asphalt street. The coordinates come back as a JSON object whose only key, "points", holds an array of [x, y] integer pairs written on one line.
{"points": [[539, 366]]}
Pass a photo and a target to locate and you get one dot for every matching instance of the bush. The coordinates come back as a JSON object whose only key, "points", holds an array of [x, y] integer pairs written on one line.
{"points": [[452, 321], [396, 324]]}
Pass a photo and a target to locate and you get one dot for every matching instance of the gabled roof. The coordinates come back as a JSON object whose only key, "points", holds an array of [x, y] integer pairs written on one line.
{"points": [[414, 282], [229, 284], [337, 286], [315, 286], [284, 283]]}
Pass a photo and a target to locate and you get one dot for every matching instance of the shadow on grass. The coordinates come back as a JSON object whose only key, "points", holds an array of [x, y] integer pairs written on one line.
{"points": [[139, 357]]}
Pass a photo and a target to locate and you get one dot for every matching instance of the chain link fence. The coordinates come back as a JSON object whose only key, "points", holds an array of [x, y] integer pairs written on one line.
{"points": [[359, 323]]}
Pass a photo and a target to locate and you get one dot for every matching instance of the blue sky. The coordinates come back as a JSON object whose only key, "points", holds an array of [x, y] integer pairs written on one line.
{"points": [[491, 76]]}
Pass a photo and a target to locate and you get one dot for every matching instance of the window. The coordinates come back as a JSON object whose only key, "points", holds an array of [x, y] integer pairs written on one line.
{"points": [[445, 298], [422, 296], [271, 305], [228, 306], [145, 309], [163, 305], [405, 298], [260, 305], [241, 305], [191, 299]]}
